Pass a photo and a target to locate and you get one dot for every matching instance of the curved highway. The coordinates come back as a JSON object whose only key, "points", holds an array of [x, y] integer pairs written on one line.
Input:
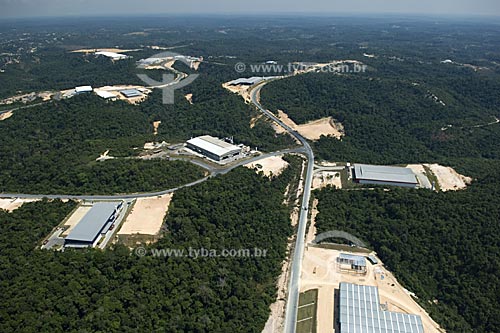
{"points": [[213, 172], [293, 287]]}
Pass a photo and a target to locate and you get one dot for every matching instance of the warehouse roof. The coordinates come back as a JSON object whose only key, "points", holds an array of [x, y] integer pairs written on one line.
{"points": [[131, 93], [82, 89], [385, 173], [213, 145], [105, 94], [249, 81], [360, 312], [356, 260], [93, 222]]}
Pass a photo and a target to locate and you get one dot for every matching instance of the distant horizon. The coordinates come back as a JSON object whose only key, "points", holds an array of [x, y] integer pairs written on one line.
{"points": [[378, 15], [128, 8]]}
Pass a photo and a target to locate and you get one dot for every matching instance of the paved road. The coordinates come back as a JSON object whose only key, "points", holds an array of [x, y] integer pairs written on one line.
{"points": [[293, 288], [214, 173]]}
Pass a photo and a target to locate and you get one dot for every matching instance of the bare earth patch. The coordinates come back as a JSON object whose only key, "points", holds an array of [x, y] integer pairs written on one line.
{"points": [[270, 166], [189, 98], [12, 204], [6, 115], [325, 178], [146, 217], [156, 125], [313, 130], [448, 178]]}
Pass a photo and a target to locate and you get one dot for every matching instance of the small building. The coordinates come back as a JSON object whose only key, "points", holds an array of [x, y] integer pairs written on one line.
{"points": [[214, 148], [105, 94], [246, 81], [131, 93], [384, 175], [351, 263], [97, 221], [83, 89], [360, 311]]}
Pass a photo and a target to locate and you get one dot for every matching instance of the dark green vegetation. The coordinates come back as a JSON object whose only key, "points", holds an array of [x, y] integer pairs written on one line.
{"points": [[442, 246], [389, 119], [52, 149], [306, 315], [116, 291]]}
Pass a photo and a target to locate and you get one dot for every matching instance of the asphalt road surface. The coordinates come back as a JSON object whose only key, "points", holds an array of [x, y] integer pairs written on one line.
{"points": [[293, 288]]}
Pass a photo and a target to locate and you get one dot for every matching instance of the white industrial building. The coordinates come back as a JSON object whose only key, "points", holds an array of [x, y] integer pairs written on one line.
{"points": [[214, 148], [360, 311], [112, 55], [83, 89], [384, 175]]}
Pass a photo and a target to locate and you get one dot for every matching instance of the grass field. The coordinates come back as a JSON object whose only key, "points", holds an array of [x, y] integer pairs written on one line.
{"points": [[306, 315]]}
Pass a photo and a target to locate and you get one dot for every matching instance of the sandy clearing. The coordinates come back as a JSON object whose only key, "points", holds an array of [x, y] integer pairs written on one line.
{"points": [[189, 98], [243, 91], [73, 220], [6, 115], [273, 165], [146, 217], [254, 120], [421, 173], [313, 130], [12, 204], [325, 178], [156, 125], [319, 271], [448, 178]]}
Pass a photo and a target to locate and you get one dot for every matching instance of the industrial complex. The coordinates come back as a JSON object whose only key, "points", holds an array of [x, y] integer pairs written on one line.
{"points": [[360, 311], [384, 175], [98, 220], [214, 148]]}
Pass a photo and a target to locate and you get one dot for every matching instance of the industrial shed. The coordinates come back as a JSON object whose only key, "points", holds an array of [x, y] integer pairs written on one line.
{"points": [[213, 148], [97, 221], [360, 312], [384, 175], [131, 93]]}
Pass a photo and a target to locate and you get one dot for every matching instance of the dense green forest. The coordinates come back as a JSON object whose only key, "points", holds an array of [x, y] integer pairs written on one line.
{"points": [[394, 119], [116, 291], [52, 148], [442, 246]]}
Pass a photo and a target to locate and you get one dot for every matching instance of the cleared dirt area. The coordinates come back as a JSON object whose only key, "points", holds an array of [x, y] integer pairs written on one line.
{"points": [[73, 220], [115, 90], [313, 130], [6, 115], [146, 217], [319, 270], [271, 166], [448, 178], [189, 98], [325, 178], [243, 91], [156, 125], [12, 204]]}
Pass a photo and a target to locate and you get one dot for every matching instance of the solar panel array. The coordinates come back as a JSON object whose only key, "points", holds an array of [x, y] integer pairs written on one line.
{"points": [[360, 312]]}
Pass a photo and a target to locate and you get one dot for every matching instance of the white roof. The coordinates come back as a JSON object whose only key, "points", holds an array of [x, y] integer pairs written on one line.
{"points": [[113, 55], [83, 89], [385, 173], [105, 94], [214, 145]]}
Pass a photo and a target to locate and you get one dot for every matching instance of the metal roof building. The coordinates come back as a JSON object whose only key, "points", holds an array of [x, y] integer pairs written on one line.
{"points": [[384, 175], [246, 81], [213, 148], [83, 89], [130, 93], [360, 312], [352, 262], [100, 217]]}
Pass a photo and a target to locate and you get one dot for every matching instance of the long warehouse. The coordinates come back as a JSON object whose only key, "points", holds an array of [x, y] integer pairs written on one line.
{"points": [[213, 148], [97, 221], [384, 175], [360, 312]]}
